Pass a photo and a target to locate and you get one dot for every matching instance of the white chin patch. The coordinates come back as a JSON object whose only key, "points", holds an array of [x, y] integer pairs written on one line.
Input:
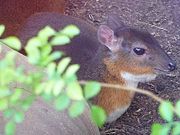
{"points": [[133, 80]]}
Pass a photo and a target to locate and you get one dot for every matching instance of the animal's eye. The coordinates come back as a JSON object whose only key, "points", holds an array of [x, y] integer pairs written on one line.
{"points": [[139, 51]]}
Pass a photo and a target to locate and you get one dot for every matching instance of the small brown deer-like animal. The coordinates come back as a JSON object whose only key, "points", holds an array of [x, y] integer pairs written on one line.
{"points": [[113, 53], [14, 12]]}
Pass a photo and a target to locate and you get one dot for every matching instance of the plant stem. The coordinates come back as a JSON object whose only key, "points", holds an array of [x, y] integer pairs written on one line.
{"points": [[141, 91], [117, 86]]}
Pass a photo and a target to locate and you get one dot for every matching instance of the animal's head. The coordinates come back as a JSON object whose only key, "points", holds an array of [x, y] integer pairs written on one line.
{"points": [[133, 54]]}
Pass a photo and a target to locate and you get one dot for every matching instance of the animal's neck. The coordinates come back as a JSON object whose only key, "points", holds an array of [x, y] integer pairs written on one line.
{"points": [[128, 79], [124, 79], [132, 80], [112, 99]]}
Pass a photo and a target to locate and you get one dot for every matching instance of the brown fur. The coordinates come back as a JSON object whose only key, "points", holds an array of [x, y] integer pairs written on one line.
{"points": [[111, 99], [123, 64]]}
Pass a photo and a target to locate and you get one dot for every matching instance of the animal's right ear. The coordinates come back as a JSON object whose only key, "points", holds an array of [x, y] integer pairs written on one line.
{"points": [[106, 37], [114, 21]]}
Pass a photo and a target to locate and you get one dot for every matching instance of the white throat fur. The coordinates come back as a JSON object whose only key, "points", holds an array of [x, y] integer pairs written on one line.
{"points": [[132, 80]]}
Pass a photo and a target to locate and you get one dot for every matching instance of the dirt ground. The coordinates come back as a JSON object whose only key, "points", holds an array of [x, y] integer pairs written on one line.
{"points": [[162, 19]]}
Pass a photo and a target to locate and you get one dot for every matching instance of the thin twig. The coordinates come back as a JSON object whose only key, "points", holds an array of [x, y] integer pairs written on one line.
{"points": [[141, 91]]}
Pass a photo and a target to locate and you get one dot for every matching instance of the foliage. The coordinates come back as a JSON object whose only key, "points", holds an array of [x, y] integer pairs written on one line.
{"points": [[168, 113], [58, 84]]}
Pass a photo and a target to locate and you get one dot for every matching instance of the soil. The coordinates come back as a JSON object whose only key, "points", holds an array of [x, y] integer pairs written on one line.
{"points": [[162, 19]]}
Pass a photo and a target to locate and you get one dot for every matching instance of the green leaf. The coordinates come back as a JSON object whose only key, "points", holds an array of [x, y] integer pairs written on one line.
{"points": [[91, 89], [176, 129], [46, 32], [33, 50], [62, 102], [4, 91], [20, 74], [10, 56], [156, 129], [177, 107], [34, 59], [76, 109], [165, 129], [55, 55], [12, 42], [71, 31], [27, 102], [7, 76], [62, 65], [17, 94], [33, 43], [3, 104], [74, 91], [71, 70], [59, 85], [46, 50], [40, 88], [10, 128], [34, 55], [34, 78], [70, 79], [19, 117], [49, 87], [51, 69], [60, 40], [50, 58], [47, 97], [98, 115], [8, 113], [2, 29], [166, 110]]}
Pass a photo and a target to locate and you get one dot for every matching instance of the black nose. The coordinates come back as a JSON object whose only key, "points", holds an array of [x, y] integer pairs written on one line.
{"points": [[171, 66]]}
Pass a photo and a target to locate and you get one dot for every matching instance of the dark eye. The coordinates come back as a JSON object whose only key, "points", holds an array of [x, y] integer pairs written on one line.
{"points": [[139, 51]]}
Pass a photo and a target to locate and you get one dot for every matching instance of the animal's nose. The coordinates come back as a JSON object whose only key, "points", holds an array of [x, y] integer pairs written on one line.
{"points": [[171, 66]]}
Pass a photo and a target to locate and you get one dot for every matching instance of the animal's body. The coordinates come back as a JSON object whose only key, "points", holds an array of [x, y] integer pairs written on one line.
{"points": [[113, 53]]}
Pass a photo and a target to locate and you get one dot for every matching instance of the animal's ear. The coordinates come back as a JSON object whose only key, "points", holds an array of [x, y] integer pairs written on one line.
{"points": [[106, 37], [114, 21]]}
